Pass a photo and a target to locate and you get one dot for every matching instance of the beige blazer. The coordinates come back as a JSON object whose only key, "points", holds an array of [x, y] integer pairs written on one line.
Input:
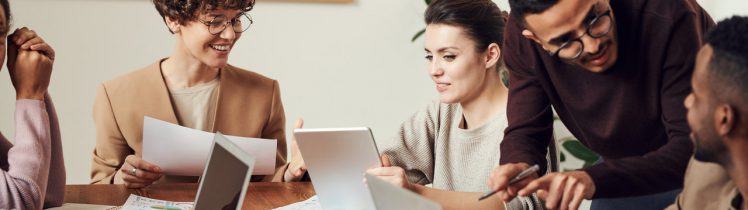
{"points": [[706, 186], [249, 105]]}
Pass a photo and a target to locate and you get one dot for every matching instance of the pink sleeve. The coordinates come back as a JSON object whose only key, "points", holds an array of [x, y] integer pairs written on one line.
{"points": [[24, 182], [56, 183]]}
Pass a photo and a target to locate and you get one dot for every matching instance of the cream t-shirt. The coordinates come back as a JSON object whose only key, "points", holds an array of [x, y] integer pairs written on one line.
{"points": [[195, 106]]}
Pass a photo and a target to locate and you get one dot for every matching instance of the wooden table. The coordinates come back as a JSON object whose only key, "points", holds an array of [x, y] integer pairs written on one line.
{"points": [[261, 195]]}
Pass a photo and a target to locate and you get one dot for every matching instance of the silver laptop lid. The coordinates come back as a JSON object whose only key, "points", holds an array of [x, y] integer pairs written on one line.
{"points": [[336, 159], [225, 178]]}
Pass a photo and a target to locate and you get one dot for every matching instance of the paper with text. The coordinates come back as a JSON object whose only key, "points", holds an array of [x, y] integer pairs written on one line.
{"points": [[184, 151], [308, 204], [135, 202]]}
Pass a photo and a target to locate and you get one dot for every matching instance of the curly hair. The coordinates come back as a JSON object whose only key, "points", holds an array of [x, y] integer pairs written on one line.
{"points": [[521, 8], [184, 11], [728, 67]]}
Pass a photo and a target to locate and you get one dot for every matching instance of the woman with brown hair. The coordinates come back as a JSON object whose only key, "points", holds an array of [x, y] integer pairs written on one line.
{"points": [[194, 87], [453, 144]]}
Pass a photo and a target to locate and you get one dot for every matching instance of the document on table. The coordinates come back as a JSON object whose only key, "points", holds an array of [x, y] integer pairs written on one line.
{"points": [[80, 206], [308, 204], [184, 151], [135, 202]]}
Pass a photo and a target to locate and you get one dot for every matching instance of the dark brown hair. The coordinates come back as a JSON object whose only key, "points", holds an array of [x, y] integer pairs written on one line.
{"points": [[728, 66], [521, 8], [482, 20], [184, 11], [6, 9]]}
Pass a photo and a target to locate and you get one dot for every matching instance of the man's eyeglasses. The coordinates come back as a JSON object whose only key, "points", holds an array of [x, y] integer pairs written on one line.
{"points": [[596, 28], [219, 23]]}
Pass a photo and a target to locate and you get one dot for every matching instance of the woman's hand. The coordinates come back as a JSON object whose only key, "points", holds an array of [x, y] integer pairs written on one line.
{"points": [[30, 62], [297, 167], [392, 174], [137, 173]]}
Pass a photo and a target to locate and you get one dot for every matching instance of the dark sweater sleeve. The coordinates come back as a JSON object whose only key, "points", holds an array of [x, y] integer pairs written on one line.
{"points": [[529, 110], [663, 169]]}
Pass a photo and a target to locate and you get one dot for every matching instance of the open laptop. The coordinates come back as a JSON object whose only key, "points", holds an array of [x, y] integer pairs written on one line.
{"points": [[337, 159], [388, 196], [225, 178]]}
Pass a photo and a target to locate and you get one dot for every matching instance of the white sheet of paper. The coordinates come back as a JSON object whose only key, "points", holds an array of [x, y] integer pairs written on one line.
{"points": [[308, 204], [183, 151]]}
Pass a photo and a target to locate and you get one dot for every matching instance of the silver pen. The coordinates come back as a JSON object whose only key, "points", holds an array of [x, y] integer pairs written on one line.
{"points": [[522, 175]]}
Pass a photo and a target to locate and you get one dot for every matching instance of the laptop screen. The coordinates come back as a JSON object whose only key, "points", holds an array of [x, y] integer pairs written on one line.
{"points": [[223, 181]]}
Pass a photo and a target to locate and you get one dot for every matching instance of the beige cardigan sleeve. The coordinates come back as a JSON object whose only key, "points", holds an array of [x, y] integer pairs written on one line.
{"points": [[275, 129], [413, 148], [111, 147]]}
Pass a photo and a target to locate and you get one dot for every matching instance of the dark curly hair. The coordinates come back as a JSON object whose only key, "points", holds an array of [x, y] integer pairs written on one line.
{"points": [[184, 11], [521, 8], [728, 67]]}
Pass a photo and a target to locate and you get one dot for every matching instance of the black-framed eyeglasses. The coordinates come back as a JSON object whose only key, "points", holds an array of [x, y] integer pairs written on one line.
{"points": [[239, 24], [596, 28]]}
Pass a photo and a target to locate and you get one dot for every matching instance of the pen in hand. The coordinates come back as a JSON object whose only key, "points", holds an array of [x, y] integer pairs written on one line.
{"points": [[522, 175]]}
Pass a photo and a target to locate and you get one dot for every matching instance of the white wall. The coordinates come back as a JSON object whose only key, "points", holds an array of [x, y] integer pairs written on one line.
{"points": [[338, 64], [721, 9]]}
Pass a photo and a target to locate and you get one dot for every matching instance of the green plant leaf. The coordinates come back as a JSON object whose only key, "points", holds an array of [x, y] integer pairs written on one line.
{"points": [[588, 164], [418, 35], [428, 2], [576, 149], [504, 77], [563, 157]]}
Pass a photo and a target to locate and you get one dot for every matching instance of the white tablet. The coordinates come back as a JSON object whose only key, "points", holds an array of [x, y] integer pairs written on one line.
{"points": [[388, 196], [337, 159], [225, 178]]}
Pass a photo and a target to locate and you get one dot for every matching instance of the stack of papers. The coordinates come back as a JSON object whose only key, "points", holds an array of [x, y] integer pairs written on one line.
{"points": [[308, 204], [184, 151], [135, 202]]}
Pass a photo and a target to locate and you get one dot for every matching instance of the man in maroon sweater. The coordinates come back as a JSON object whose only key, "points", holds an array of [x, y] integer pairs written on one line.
{"points": [[616, 72]]}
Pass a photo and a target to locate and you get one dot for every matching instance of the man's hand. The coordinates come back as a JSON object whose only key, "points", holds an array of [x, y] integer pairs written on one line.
{"points": [[563, 191], [499, 180]]}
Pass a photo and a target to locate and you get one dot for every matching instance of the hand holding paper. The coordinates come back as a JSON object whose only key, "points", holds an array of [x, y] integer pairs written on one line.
{"points": [[137, 173], [183, 151]]}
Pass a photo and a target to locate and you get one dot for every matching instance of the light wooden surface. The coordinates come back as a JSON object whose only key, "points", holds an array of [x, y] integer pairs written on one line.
{"points": [[261, 195]]}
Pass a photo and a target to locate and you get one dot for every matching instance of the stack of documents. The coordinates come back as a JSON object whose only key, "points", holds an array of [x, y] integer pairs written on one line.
{"points": [[308, 204], [135, 202]]}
